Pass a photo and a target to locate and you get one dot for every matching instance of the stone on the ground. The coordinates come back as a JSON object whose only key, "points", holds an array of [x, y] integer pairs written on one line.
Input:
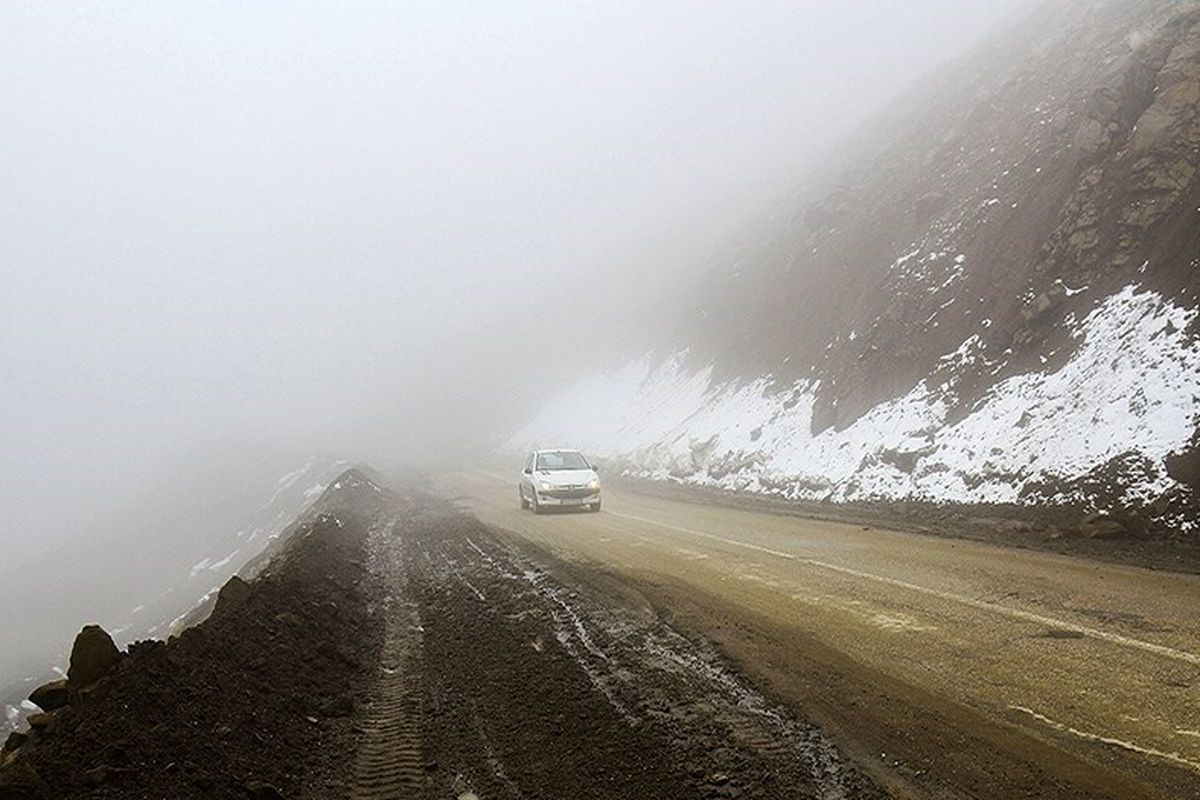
{"points": [[92, 656], [14, 741], [51, 696], [43, 723]]}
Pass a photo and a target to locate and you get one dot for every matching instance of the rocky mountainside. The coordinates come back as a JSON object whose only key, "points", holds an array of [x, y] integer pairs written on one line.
{"points": [[991, 299]]}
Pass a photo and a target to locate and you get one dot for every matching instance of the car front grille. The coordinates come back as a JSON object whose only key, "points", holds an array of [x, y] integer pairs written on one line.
{"points": [[569, 492]]}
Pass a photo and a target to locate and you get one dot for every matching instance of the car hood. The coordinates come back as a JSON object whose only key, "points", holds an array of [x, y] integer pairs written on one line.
{"points": [[566, 477]]}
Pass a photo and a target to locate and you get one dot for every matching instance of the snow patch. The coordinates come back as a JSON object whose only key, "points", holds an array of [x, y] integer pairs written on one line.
{"points": [[1133, 385]]}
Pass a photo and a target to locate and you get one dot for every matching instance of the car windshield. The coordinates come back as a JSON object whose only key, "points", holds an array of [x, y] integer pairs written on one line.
{"points": [[565, 460]]}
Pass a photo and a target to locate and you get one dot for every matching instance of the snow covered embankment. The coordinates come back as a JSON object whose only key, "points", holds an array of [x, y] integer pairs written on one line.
{"points": [[1131, 388]]}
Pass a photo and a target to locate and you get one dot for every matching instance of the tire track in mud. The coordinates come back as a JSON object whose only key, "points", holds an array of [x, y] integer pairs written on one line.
{"points": [[546, 687], [388, 765], [678, 683]]}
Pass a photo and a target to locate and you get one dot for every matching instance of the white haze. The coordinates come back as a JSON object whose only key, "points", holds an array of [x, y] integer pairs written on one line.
{"points": [[376, 229]]}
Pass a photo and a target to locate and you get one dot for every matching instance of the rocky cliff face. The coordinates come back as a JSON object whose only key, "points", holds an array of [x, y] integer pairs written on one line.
{"points": [[1005, 266], [1048, 171]]}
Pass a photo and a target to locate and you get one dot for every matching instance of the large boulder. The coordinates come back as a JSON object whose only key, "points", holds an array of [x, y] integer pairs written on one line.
{"points": [[92, 656], [51, 696], [42, 723]]}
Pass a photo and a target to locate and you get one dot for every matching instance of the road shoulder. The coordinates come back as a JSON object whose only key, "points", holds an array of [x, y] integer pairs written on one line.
{"points": [[1045, 529]]}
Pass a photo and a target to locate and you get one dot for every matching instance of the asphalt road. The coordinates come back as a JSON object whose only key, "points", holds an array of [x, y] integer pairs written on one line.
{"points": [[956, 668]]}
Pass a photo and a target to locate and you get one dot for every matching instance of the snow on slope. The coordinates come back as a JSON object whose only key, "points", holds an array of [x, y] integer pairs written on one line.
{"points": [[1132, 385]]}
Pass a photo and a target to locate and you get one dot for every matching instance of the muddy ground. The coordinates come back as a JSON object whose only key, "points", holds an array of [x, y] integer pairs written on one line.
{"points": [[539, 687], [397, 647], [403, 650], [257, 701], [946, 668]]}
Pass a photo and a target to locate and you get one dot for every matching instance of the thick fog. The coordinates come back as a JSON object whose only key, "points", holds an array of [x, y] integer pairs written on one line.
{"points": [[377, 229]]}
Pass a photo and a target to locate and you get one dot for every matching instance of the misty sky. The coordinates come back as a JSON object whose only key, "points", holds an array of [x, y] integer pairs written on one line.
{"points": [[360, 226]]}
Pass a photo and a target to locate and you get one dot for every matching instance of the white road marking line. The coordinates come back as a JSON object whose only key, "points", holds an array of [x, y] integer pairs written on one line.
{"points": [[1015, 613], [1095, 737], [748, 576], [691, 555]]}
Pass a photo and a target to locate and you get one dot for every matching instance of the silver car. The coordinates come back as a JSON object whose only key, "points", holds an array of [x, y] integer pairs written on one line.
{"points": [[558, 479]]}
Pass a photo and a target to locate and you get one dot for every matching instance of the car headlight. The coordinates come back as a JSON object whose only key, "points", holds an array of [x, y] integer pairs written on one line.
{"points": [[545, 487], [594, 483]]}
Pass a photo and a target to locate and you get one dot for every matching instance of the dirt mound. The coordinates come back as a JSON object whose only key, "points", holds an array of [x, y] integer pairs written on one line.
{"points": [[254, 702]]}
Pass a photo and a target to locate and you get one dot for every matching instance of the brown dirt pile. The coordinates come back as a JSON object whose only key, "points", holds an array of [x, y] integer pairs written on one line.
{"points": [[257, 701]]}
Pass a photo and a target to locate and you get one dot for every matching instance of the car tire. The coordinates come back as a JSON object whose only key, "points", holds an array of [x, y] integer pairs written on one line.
{"points": [[595, 507], [537, 507], [521, 497]]}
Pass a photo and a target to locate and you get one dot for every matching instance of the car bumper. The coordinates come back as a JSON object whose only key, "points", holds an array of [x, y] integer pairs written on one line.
{"points": [[546, 499]]}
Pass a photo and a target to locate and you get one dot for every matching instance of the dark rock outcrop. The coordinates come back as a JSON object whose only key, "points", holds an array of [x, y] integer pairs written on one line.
{"points": [[41, 723], [51, 696], [1001, 197], [92, 656]]}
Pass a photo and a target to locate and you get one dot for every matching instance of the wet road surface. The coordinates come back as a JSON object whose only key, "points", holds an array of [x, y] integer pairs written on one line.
{"points": [[955, 667]]}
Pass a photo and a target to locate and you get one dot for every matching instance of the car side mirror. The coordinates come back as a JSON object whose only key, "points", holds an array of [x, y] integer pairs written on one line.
{"points": [[527, 471], [596, 468]]}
